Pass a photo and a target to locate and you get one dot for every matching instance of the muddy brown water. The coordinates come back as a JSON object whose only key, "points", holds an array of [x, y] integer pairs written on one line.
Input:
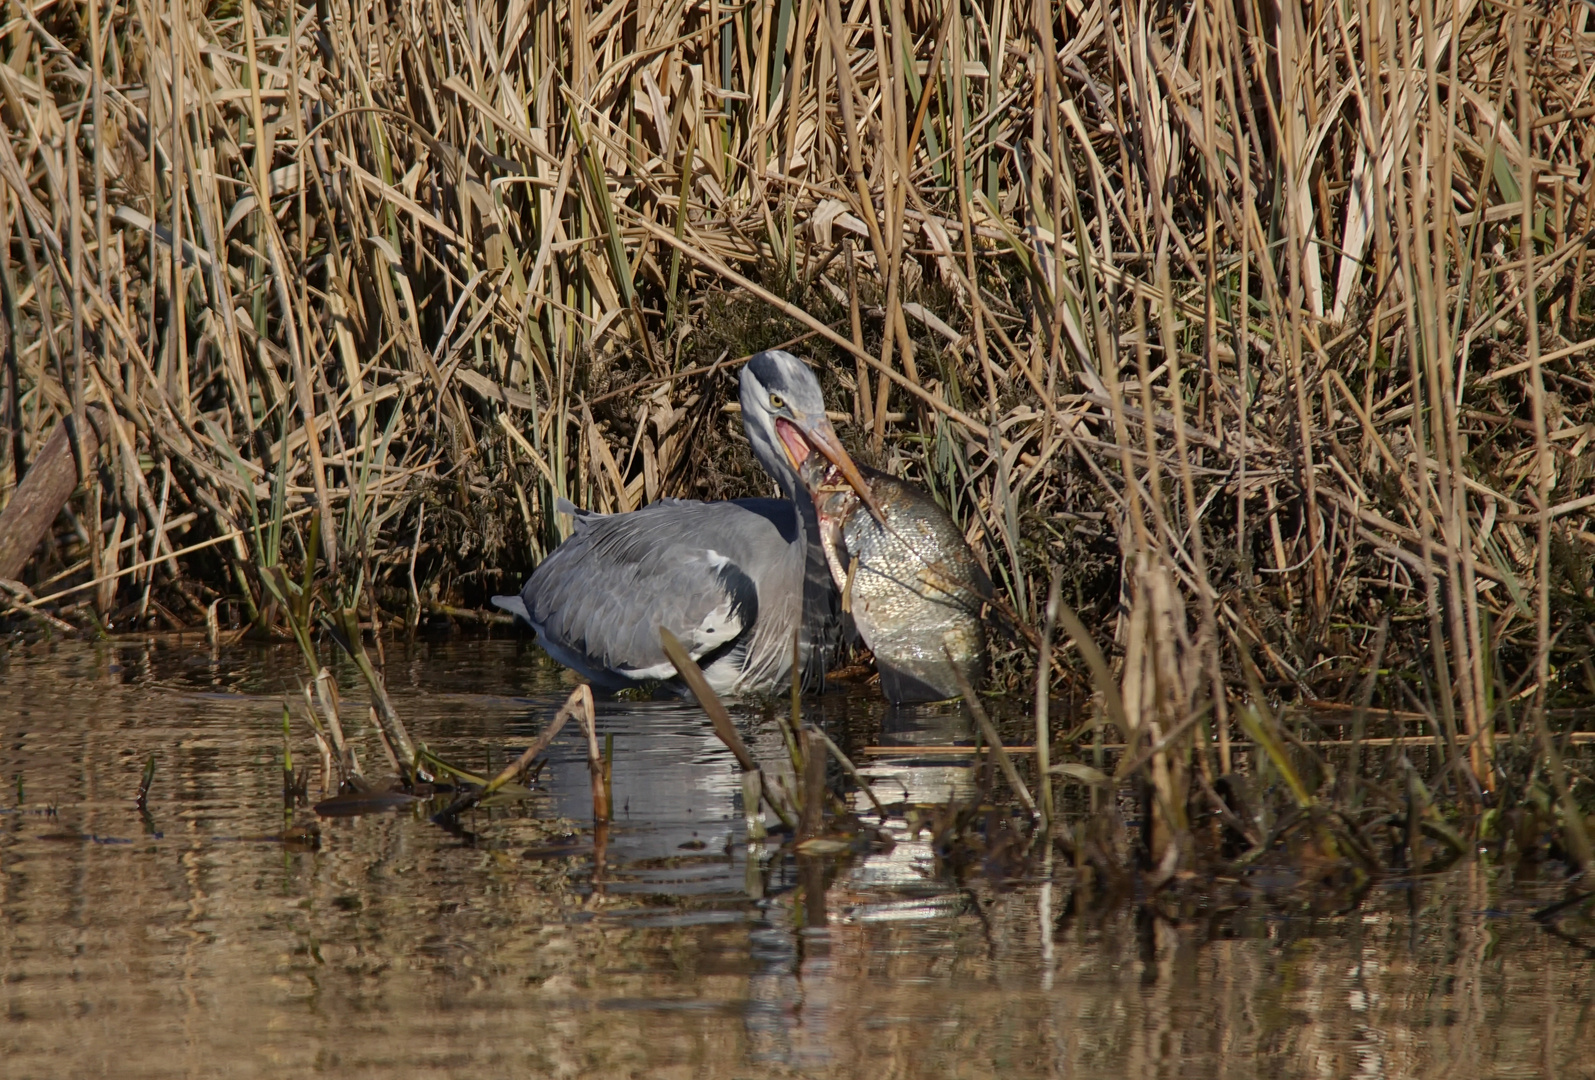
{"points": [[185, 944]]}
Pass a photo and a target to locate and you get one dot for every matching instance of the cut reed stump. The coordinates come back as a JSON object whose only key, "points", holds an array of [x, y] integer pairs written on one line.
{"points": [[44, 490]]}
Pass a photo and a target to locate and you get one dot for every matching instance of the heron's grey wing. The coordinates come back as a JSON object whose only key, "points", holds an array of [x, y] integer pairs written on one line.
{"points": [[601, 597]]}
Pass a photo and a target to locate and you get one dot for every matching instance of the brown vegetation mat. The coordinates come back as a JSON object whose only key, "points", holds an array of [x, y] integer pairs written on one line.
{"points": [[1263, 323]]}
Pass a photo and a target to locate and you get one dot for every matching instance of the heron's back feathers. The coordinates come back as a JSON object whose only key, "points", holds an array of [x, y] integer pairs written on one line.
{"points": [[705, 571]]}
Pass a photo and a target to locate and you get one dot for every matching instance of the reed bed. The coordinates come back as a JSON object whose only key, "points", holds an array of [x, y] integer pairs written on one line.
{"points": [[1254, 331]]}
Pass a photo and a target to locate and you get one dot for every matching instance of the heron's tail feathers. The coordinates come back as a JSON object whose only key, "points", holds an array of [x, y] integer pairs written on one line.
{"points": [[563, 505], [515, 606]]}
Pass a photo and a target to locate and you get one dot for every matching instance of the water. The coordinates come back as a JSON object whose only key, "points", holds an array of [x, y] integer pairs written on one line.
{"points": [[188, 944]]}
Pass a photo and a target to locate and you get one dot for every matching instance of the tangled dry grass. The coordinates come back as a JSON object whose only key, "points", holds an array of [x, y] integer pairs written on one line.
{"points": [[1262, 322]]}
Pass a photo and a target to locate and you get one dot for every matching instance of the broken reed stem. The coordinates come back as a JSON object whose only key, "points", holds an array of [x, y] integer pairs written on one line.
{"points": [[1043, 705], [1544, 469], [579, 704], [148, 778], [989, 730], [709, 701], [395, 737], [852, 772], [289, 787], [1576, 738], [811, 822]]}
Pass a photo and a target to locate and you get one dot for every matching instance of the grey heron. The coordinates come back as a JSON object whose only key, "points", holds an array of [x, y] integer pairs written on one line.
{"points": [[732, 580]]}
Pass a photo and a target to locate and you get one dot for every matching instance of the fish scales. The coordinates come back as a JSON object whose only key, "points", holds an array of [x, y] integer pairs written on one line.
{"points": [[913, 587]]}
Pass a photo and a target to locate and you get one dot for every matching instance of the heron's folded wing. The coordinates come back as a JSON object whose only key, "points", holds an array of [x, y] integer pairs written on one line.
{"points": [[606, 591]]}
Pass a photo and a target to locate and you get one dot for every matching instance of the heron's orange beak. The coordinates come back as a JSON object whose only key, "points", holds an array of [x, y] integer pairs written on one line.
{"points": [[798, 438]]}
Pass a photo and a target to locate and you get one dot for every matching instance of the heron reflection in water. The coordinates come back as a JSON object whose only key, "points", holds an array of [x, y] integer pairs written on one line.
{"points": [[732, 580]]}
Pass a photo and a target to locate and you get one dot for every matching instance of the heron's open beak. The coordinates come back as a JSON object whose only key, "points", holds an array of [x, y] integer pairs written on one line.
{"points": [[799, 437]]}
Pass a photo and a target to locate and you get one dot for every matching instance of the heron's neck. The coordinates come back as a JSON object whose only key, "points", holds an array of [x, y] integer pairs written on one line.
{"points": [[823, 621], [807, 519]]}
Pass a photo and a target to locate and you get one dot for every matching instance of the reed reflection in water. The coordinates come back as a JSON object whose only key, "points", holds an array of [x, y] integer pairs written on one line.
{"points": [[186, 944]]}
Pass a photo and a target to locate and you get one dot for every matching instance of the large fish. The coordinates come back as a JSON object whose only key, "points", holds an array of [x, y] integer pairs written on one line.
{"points": [[912, 584]]}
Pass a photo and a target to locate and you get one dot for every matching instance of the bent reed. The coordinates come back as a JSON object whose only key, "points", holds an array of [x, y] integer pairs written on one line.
{"points": [[1262, 323]]}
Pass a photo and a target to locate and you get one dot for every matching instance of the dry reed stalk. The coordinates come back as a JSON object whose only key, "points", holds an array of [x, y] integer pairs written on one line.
{"points": [[579, 705], [755, 791]]}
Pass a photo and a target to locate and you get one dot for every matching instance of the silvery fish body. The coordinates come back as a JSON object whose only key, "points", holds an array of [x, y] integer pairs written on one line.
{"points": [[912, 585]]}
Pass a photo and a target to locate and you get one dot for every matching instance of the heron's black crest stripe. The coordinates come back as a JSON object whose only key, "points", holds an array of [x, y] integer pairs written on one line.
{"points": [[766, 367]]}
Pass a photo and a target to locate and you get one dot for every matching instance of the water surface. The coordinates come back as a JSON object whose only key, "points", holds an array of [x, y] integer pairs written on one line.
{"points": [[188, 943]]}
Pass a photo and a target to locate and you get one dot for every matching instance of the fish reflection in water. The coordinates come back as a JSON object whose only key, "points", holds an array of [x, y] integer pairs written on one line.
{"points": [[910, 580]]}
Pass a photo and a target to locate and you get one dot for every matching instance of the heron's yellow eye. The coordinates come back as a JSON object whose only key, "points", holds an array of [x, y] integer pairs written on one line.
{"points": [[776, 402]]}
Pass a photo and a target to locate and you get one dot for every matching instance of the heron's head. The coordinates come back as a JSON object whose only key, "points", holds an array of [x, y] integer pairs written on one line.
{"points": [[783, 413]]}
